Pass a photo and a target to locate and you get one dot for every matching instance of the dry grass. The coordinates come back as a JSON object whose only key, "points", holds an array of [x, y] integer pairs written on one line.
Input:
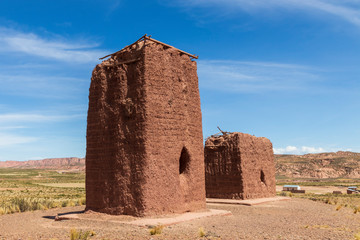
{"points": [[81, 235], [156, 230], [23, 190], [202, 232], [338, 207], [63, 185], [340, 200]]}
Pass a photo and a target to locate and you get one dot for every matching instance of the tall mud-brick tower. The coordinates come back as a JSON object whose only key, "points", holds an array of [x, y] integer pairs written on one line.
{"points": [[144, 152]]}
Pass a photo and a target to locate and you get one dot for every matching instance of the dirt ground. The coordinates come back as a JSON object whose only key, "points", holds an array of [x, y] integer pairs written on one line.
{"points": [[294, 219]]}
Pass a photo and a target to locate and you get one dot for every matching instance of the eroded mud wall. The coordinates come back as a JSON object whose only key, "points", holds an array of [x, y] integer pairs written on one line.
{"points": [[239, 166], [258, 167], [115, 153], [173, 132], [223, 173]]}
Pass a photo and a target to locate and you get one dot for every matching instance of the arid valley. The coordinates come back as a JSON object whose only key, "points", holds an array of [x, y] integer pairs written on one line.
{"points": [[33, 193]]}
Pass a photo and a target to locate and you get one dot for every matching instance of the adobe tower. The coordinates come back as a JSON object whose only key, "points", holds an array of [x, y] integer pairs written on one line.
{"points": [[239, 166], [144, 153]]}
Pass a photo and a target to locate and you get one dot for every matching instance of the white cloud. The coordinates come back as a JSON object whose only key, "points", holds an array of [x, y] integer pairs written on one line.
{"points": [[11, 140], [41, 85], [17, 128], [11, 127], [346, 10], [298, 150], [18, 117], [56, 48], [286, 150], [241, 76], [311, 149], [36, 158]]}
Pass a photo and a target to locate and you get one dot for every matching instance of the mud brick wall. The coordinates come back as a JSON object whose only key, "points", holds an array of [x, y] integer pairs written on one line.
{"points": [[144, 137], [239, 166]]}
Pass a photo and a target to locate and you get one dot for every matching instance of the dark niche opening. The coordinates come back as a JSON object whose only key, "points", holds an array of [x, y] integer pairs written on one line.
{"points": [[184, 161], [262, 177]]}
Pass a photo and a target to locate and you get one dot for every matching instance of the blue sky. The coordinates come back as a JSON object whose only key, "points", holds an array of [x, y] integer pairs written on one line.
{"points": [[287, 70]]}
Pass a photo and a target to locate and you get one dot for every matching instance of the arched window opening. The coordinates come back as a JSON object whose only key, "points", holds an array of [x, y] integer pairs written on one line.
{"points": [[262, 177], [184, 161]]}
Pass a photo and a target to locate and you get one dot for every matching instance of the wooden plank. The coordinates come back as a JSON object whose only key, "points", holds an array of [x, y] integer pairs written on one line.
{"points": [[123, 48], [144, 38], [167, 45], [119, 63]]}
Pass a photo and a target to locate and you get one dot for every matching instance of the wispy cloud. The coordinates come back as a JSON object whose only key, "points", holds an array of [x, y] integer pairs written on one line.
{"points": [[44, 81], [11, 127], [11, 140], [20, 128], [31, 83], [254, 77], [346, 10], [113, 6], [51, 48], [298, 150], [29, 117]]}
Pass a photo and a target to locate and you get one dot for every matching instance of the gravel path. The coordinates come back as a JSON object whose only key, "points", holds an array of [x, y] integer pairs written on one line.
{"points": [[294, 219]]}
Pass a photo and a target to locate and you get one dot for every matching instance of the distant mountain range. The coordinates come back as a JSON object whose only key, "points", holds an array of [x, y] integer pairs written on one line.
{"points": [[319, 165], [49, 163]]}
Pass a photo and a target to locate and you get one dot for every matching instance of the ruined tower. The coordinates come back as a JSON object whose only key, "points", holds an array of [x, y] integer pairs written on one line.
{"points": [[144, 153], [239, 166]]}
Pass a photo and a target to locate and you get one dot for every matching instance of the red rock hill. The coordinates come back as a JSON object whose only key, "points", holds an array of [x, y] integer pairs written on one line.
{"points": [[49, 163], [319, 165]]}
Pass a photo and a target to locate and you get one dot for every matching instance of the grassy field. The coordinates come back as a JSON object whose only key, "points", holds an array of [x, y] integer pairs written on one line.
{"points": [[338, 200], [32, 189], [341, 182]]}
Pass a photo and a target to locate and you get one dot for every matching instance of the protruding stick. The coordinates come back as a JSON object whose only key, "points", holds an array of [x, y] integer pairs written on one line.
{"points": [[224, 133]]}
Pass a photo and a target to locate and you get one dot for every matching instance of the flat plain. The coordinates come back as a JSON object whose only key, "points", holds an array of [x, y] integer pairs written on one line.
{"points": [[32, 189], [31, 198], [294, 219]]}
